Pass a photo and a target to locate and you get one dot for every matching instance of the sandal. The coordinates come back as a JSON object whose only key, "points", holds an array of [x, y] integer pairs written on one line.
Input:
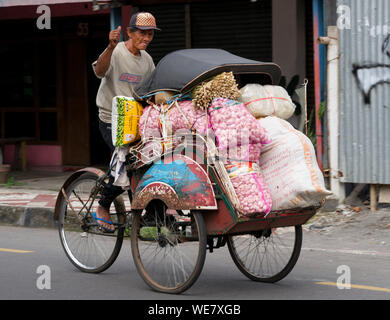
{"points": [[102, 227]]}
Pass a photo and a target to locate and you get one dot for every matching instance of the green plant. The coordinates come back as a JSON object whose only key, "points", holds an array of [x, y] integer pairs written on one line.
{"points": [[311, 128], [11, 182], [311, 125]]}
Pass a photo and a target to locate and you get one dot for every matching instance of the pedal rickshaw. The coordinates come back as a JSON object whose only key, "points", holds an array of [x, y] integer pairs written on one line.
{"points": [[180, 203]]}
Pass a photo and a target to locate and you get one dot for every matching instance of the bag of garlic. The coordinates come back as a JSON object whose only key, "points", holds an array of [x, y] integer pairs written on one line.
{"points": [[252, 191], [289, 167], [164, 122], [233, 125], [262, 101], [181, 115]]}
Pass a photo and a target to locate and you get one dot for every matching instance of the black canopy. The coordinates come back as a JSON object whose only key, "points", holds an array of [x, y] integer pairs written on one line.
{"points": [[182, 70]]}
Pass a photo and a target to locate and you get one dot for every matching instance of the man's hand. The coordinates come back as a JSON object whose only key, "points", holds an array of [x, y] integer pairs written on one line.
{"points": [[103, 62], [114, 37]]}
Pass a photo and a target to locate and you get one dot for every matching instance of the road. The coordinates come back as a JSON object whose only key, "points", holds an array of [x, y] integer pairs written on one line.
{"points": [[26, 252]]}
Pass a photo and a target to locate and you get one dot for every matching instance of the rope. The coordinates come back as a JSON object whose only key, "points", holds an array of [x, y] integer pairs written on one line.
{"points": [[184, 116], [269, 98]]}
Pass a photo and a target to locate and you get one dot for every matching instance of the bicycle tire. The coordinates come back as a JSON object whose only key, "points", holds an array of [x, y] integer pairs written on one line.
{"points": [[94, 238], [149, 273], [257, 275]]}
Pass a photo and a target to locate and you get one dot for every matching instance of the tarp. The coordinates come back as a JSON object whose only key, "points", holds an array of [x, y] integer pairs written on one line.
{"points": [[183, 69]]}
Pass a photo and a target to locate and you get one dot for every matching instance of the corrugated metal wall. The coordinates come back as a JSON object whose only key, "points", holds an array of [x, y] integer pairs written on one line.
{"points": [[365, 91]]}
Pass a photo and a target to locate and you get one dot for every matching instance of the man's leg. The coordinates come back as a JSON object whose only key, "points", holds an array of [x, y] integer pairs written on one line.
{"points": [[110, 192]]}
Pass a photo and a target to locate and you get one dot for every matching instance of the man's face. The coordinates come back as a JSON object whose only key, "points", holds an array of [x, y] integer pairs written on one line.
{"points": [[141, 38]]}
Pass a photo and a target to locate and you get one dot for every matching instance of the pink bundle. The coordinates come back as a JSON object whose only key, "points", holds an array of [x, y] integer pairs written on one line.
{"points": [[233, 125], [252, 191], [149, 122], [248, 153], [195, 119]]}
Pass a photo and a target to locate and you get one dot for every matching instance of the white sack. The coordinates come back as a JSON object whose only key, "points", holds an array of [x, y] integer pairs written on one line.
{"points": [[262, 101], [290, 168]]}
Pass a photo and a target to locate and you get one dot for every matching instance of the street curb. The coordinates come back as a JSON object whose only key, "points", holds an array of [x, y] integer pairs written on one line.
{"points": [[33, 217]]}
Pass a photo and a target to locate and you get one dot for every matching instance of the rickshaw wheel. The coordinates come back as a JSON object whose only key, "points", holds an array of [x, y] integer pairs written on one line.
{"points": [[169, 248], [88, 248], [267, 255]]}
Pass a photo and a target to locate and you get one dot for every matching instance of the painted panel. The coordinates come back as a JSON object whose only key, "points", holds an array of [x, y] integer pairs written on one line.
{"points": [[178, 180]]}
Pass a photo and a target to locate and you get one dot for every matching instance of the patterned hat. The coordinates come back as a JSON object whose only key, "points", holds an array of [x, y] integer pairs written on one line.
{"points": [[143, 21]]}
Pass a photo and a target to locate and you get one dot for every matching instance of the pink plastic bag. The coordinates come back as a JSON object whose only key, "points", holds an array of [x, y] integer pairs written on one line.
{"points": [[233, 125], [251, 189]]}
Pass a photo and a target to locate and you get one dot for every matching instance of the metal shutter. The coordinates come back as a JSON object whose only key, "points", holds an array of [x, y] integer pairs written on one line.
{"points": [[243, 28], [240, 27], [170, 19]]}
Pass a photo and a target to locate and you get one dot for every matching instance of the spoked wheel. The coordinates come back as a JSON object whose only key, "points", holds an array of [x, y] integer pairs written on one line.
{"points": [[87, 247], [169, 249], [267, 255]]}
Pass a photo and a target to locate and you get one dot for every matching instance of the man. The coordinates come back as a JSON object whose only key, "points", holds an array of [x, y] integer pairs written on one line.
{"points": [[121, 66]]}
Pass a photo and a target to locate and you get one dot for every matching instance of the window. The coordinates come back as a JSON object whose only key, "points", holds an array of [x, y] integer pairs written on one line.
{"points": [[16, 85], [28, 90]]}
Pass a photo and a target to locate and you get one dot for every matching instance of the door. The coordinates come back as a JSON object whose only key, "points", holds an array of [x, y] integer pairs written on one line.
{"points": [[76, 148]]}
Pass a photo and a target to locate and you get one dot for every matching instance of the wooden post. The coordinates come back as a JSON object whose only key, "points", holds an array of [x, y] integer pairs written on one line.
{"points": [[373, 201]]}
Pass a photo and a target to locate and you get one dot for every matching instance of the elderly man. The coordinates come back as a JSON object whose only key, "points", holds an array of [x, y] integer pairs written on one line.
{"points": [[121, 66]]}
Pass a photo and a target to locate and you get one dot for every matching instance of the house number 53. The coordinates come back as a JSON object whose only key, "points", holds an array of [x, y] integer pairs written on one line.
{"points": [[82, 29]]}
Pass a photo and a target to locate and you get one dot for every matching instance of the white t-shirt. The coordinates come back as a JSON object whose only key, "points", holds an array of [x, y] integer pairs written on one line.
{"points": [[125, 71]]}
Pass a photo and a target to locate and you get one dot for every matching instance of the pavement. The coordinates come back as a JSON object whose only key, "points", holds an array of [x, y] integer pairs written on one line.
{"points": [[28, 200]]}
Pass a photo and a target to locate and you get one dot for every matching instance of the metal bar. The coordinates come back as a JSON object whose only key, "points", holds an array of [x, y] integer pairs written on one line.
{"points": [[116, 19], [317, 32], [70, 205]]}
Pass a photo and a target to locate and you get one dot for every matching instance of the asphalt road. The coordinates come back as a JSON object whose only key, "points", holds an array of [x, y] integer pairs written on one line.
{"points": [[25, 253]]}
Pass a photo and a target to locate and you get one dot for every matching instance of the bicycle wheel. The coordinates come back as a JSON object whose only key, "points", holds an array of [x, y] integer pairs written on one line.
{"points": [[267, 255], [88, 248], [169, 249]]}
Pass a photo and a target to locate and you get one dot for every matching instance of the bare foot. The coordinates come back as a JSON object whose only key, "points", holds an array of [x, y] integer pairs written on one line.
{"points": [[103, 213]]}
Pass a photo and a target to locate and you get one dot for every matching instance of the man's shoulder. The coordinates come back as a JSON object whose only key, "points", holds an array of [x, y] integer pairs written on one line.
{"points": [[120, 48], [146, 55]]}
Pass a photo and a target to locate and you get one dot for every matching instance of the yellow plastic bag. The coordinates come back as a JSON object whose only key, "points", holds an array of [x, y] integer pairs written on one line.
{"points": [[126, 113]]}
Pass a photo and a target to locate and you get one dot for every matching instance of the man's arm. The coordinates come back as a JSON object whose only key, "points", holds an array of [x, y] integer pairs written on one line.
{"points": [[103, 62]]}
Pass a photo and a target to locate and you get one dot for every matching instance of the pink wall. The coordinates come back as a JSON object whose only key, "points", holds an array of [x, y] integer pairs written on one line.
{"points": [[37, 155]]}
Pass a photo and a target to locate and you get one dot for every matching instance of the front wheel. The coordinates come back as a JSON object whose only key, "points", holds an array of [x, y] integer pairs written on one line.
{"points": [[169, 248], [89, 249], [266, 255]]}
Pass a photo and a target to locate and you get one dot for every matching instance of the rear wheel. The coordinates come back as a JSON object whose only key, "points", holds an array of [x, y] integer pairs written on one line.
{"points": [[267, 255], [169, 248], [88, 248]]}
